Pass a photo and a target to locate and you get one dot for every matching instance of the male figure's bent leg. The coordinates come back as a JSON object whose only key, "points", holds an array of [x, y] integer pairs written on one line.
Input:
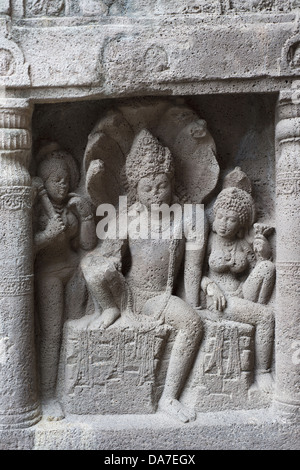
{"points": [[186, 321]]}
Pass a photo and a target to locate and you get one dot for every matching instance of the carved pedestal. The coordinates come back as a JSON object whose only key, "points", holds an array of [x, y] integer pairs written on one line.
{"points": [[225, 367], [288, 252], [114, 371], [18, 390], [223, 374]]}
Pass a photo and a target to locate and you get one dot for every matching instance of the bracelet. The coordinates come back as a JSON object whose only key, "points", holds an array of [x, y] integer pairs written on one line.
{"points": [[208, 284]]}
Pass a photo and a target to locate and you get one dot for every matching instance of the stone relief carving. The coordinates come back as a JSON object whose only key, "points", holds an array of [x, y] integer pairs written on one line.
{"points": [[241, 278], [144, 296], [13, 69], [45, 7], [227, 6], [290, 56], [128, 7], [102, 7], [64, 224], [7, 63], [171, 323], [156, 58], [58, 8]]}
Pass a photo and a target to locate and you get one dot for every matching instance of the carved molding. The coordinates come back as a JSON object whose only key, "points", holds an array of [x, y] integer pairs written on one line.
{"points": [[290, 268], [15, 198], [290, 56], [288, 184], [14, 139], [16, 286], [14, 119], [57, 8], [14, 72], [45, 7]]}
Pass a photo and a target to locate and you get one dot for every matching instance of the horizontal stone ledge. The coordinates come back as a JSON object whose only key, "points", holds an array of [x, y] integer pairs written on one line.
{"points": [[255, 429], [57, 94], [172, 17], [116, 56]]}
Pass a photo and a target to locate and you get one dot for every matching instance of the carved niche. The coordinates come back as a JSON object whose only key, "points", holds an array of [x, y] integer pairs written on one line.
{"points": [[134, 323]]}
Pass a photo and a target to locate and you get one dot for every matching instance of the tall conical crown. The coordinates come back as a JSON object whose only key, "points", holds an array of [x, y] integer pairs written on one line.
{"points": [[147, 157]]}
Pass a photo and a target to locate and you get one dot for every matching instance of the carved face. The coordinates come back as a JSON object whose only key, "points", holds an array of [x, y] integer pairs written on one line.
{"points": [[262, 248], [226, 223], [57, 185], [154, 190]]}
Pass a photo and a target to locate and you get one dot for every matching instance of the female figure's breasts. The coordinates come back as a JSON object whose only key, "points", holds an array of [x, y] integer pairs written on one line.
{"points": [[227, 264], [232, 258]]}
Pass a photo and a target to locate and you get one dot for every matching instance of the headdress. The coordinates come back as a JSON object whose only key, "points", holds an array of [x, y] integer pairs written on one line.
{"points": [[236, 196], [51, 157], [147, 157], [238, 179]]}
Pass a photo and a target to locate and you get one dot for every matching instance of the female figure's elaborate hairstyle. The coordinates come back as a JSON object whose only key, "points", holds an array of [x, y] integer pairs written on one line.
{"points": [[239, 201], [51, 158], [236, 196]]}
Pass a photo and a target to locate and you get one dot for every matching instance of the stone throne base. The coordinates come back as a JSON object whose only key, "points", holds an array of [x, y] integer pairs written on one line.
{"points": [[97, 414], [113, 371], [122, 370], [223, 374]]}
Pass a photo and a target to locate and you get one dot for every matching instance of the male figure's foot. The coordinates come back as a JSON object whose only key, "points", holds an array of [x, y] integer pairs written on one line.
{"points": [[84, 322], [105, 319], [174, 408], [264, 381]]}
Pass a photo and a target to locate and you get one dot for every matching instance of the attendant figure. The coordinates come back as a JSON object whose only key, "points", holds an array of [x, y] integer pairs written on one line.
{"points": [[64, 225]]}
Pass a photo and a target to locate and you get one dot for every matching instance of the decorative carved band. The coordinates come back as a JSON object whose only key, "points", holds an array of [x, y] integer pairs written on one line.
{"points": [[14, 286], [288, 183], [288, 277], [13, 139], [15, 198], [288, 268], [14, 119], [56, 8]]}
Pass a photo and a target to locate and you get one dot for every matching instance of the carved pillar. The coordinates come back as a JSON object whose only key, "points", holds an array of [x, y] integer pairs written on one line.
{"points": [[18, 390], [287, 396]]}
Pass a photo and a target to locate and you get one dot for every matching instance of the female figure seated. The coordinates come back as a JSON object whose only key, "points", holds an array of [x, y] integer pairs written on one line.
{"points": [[63, 225], [144, 288], [240, 279]]}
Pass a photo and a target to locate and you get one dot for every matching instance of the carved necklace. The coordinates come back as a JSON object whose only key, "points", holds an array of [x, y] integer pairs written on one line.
{"points": [[229, 249], [59, 208]]}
